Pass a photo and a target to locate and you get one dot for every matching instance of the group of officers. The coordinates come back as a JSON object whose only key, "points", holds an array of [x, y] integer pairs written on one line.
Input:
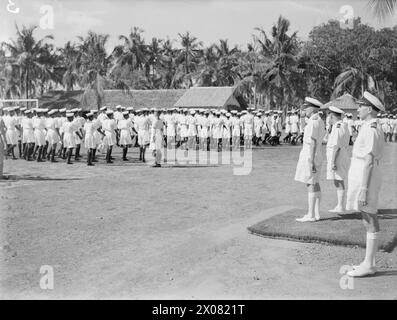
{"points": [[361, 172]]}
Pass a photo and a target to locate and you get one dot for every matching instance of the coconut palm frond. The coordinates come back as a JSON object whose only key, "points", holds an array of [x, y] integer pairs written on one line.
{"points": [[383, 8]]}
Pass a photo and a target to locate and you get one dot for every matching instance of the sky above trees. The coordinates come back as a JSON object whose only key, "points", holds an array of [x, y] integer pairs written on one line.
{"points": [[209, 20]]}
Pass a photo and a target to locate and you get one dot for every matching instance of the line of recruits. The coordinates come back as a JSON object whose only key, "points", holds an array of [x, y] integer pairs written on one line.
{"points": [[43, 134]]}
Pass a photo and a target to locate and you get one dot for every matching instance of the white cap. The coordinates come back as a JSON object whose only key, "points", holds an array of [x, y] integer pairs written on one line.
{"points": [[103, 108], [90, 114], [118, 107], [312, 102], [130, 109], [62, 110], [69, 114], [335, 110], [370, 99], [52, 111], [109, 112], [125, 113]]}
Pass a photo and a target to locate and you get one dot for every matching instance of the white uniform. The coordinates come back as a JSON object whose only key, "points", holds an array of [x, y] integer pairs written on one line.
{"points": [[338, 138], [12, 132], [294, 119], [171, 125], [315, 129], [97, 136], [156, 135], [287, 124], [27, 131], [69, 128], [227, 131], [248, 121], [183, 126], [143, 127], [52, 135], [236, 127], [39, 131], [369, 140], [205, 128], [192, 123], [109, 126], [257, 126], [80, 124], [125, 126]]}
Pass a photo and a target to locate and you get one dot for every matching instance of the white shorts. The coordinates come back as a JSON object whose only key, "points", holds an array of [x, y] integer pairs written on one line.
{"points": [[125, 138], [39, 137], [143, 138], [28, 136], [12, 137], [52, 137], [304, 168], [342, 165], [355, 177], [68, 141], [89, 141]]}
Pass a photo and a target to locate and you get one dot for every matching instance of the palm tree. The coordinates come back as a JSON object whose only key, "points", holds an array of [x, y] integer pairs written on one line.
{"points": [[93, 65], [189, 55], [132, 52], [383, 8], [69, 57], [354, 80], [276, 61], [34, 59]]}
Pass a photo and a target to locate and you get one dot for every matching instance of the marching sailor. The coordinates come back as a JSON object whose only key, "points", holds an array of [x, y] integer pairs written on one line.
{"points": [[310, 158], [337, 155], [53, 136], [364, 178]]}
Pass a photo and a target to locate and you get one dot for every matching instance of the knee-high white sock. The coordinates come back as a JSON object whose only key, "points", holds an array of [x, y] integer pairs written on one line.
{"points": [[317, 204], [340, 193], [372, 247], [311, 199]]}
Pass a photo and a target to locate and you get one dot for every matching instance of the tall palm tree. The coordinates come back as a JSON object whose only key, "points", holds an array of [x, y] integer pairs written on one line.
{"points": [[33, 58], [93, 65], [69, 61], [189, 55], [276, 61], [132, 52], [383, 8], [354, 80]]}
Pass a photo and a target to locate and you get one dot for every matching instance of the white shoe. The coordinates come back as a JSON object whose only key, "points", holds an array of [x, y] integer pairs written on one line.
{"points": [[317, 217], [337, 210], [361, 271], [306, 218]]}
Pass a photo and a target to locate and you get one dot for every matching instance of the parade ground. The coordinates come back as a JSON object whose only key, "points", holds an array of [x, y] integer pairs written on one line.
{"points": [[130, 231]]}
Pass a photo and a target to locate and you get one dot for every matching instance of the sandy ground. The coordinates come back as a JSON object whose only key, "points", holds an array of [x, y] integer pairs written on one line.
{"points": [[130, 231]]}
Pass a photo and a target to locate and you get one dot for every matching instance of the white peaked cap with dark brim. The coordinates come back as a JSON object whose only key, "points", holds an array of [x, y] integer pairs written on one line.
{"points": [[52, 111], [103, 108], [312, 102], [336, 110], [371, 100], [69, 115]]}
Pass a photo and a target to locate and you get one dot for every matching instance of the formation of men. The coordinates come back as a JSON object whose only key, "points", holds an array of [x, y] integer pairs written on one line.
{"points": [[362, 172], [39, 134]]}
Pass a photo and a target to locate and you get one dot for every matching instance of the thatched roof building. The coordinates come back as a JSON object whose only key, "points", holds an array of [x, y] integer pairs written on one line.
{"points": [[133, 98], [210, 97], [346, 102]]}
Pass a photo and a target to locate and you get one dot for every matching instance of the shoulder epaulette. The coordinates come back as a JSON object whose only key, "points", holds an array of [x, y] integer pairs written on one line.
{"points": [[374, 125]]}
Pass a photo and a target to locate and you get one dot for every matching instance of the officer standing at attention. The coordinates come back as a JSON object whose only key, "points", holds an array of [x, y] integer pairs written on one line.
{"points": [[337, 155], [310, 159], [364, 178]]}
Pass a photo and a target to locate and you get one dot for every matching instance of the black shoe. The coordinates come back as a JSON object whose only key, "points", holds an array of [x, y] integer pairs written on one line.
{"points": [[156, 165], [90, 164], [125, 159]]}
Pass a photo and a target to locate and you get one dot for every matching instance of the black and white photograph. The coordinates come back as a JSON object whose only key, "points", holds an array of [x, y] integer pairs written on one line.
{"points": [[198, 150]]}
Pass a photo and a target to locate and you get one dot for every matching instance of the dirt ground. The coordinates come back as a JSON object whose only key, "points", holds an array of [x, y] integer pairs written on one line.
{"points": [[130, 231]]}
